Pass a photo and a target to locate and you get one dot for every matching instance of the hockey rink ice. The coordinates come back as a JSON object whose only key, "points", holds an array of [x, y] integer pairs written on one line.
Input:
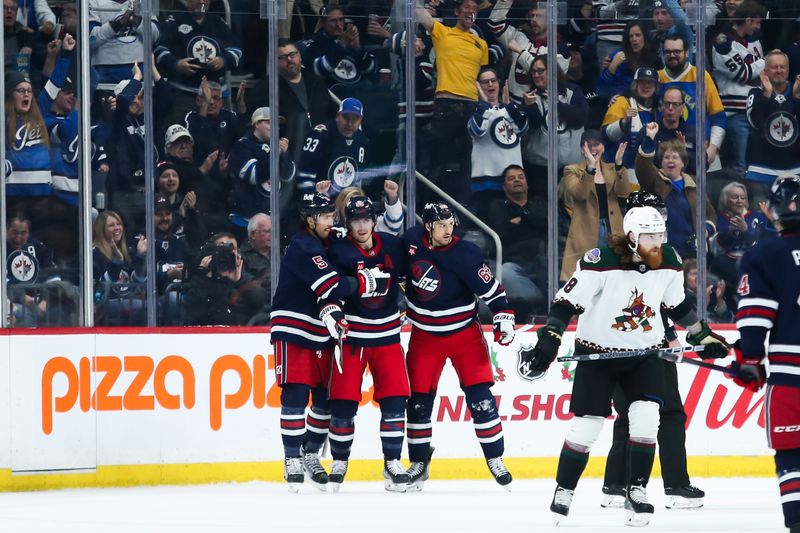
{"points": [[732, 505]]}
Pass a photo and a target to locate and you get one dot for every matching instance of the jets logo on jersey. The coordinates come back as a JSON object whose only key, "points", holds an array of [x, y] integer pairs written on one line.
{"points": [[782, 130], [122, 286], [426, 280], [346, 70], [636, 314], [503, 134], [343, 171], [203, 49], [23, 267]]}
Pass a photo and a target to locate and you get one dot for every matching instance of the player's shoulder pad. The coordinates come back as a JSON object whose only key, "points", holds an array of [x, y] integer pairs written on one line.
{"points": [[602, 258], [307, 244], [671, 258]]}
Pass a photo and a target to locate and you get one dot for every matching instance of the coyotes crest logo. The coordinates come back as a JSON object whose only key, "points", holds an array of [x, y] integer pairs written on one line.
{"points": [[636, 314]]}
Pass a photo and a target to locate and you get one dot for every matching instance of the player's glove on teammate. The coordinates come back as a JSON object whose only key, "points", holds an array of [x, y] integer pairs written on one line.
{"points": [[333, 318], [715, 345], [503, 327], [373, 282], [546, 348], [750, 373]]}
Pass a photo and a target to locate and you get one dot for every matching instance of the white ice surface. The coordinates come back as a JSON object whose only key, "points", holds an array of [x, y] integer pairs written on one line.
{"points": [[732, 505]]}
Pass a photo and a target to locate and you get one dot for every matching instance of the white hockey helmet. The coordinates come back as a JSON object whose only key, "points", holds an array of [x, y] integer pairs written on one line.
{"points": [[642, 220]]}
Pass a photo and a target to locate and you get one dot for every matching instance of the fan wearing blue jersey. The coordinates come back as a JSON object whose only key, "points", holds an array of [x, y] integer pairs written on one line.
{"points": [[373, 339], [444, 275]]}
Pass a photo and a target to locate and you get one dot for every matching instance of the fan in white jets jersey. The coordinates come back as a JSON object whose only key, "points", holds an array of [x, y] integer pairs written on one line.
{"points": [[619, 292]]}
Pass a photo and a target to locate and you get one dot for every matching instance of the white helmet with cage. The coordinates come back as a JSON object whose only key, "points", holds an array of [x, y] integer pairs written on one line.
{"points": [[642, 220]]}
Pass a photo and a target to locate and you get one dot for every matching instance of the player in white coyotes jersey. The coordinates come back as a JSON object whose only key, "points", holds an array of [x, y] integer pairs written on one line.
{"points": [[619, 291]]}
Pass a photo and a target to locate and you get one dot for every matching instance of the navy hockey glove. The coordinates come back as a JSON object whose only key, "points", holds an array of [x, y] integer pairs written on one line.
{"points": [[373, 282], [546, 348], [750, 373], [503, 327], [715, 345]]}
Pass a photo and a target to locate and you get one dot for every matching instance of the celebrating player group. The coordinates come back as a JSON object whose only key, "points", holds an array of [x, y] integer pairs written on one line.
{"points": [[336, 310]]}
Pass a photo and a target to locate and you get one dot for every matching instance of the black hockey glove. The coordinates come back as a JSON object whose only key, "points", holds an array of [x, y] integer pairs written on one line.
{"points": [[546, 348], [715, 345]]}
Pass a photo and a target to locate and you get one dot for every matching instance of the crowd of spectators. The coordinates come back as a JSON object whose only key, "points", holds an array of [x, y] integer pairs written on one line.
{"points": [[626, 108]]}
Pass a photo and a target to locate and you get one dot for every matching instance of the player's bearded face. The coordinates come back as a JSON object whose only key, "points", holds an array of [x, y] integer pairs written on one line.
{"points": [[323, 225], [650, 249], [361, 230], [442, 232]]}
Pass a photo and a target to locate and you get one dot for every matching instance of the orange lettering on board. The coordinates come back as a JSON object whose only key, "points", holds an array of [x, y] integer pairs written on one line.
{"points": [[102, 400], [133, 399], [53, 367], [232, 401], [174, 363]]}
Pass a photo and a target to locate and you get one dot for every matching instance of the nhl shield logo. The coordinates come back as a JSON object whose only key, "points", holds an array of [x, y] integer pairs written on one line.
{"points": [[524, 365]]}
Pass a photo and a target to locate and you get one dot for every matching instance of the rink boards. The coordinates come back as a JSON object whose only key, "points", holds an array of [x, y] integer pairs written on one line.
{"points": [[169, 406]]}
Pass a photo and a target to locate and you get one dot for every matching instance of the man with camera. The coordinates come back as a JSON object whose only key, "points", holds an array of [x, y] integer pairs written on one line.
{"points": [[220, 292]]}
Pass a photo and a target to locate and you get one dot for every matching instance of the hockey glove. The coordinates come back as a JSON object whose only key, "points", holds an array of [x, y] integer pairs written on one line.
{"points": [[750, 373], [715, 345], [373, 282], [333, 318], [503, 327], [546, 348]]}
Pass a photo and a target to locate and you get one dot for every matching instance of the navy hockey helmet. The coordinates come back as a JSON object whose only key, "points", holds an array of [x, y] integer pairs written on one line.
{"points": [[314, 204], [785, 199], [439, 210], [359, 207]]}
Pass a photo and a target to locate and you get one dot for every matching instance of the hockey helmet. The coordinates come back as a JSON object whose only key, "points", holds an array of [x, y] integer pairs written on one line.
{"points": [[646, 199], [439, 210], [359, 207], [314, 204], [642, 220], [785, 199]]}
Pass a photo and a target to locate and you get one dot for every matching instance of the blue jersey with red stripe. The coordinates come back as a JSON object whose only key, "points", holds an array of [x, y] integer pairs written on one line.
{"points": [[307, 279], [769, 286], [373, 321], [442, 283]]}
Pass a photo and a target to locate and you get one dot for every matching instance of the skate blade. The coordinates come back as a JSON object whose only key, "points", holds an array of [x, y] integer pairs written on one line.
{"points": [[334, 486], [395, 487], [294, 488], [681, 503], [612, 502], [557, 518], [415, 486], [322, 487], [637, 519], [507, 487]]}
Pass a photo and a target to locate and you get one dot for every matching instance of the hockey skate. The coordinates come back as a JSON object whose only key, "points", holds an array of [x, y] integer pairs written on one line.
{"points": [[317, 475], [418, 473], [395, 477], [638, 511], [500, 472], [336, 477], [613, 497], [293, 473], [686, 497], [562, 499]]}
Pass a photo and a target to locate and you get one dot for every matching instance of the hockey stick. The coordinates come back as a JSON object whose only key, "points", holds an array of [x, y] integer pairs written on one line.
{"points": [[660, 352], [678, 358]]}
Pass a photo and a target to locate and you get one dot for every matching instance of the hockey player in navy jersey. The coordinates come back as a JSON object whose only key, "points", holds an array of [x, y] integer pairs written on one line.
{"points": [[306, 317], [373, 338], [443, 277], [769, 287], [336, 151], [619, 292]]}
